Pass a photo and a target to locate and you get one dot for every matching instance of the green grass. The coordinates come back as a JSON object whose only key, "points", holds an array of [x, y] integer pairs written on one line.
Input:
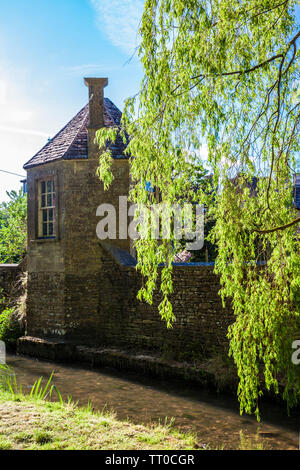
{"points": [[32, 422], [5, 444]]}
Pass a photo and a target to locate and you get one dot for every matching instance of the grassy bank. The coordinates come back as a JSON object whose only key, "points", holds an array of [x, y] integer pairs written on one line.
{"points": [[29, 422]]}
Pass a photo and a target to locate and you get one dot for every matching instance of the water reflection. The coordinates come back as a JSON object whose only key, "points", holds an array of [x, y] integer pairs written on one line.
{"points": [[214, 417]]}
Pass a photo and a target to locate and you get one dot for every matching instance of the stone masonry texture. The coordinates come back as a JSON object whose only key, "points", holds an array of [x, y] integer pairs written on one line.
{"points": [[9, 274]]}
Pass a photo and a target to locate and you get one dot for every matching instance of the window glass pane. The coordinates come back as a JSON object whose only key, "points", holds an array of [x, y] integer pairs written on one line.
{"points": [[47, 215]]}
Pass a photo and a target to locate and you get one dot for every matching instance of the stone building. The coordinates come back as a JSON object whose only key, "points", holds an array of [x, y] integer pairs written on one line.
{"points": [[83, 292], [63, 195]]}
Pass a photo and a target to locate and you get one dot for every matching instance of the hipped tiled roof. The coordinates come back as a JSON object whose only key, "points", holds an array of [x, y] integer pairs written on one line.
{"points": [[72, 141]]}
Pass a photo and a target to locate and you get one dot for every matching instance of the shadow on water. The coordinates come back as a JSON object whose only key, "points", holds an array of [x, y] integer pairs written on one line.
{"points": [[215, 417]]}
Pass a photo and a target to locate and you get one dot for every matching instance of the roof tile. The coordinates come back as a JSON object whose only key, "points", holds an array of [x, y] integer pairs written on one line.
{"points": [[72, 141]]}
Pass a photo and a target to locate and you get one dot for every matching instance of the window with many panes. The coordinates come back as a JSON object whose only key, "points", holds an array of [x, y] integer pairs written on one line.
{"points": [[47, 227]]}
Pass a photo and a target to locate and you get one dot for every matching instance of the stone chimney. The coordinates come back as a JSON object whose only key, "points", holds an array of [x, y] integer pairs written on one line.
{"points": [[96, 101]]}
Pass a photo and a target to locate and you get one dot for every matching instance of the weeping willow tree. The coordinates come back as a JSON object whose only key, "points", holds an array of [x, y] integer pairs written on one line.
{"points": [[224, 73]]}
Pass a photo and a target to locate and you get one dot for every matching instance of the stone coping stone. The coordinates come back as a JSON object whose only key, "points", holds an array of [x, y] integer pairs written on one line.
{"points": [[11, 266]]}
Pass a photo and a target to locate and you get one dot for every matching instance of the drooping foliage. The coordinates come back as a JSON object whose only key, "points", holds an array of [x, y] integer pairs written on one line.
{"points": [[223, 75], [13, 228]]}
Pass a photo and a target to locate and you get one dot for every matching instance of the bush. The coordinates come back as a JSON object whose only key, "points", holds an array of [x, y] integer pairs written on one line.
{"points": [[9, 327], [13, 312], [13, 228]]}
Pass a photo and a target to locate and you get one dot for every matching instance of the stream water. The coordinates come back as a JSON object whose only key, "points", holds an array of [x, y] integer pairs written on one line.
{"points": [[213, 416]]}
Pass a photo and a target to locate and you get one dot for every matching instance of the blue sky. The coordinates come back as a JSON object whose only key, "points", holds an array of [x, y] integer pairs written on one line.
{"points": [[46, 48]]}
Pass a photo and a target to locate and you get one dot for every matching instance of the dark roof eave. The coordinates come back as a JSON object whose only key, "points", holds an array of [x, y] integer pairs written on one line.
{"points": [[80, 157], [29, 166]]}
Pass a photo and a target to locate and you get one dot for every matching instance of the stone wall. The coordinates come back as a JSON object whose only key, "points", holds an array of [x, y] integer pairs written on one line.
{"points": [[102, 309], [201, 322], [45, 295], [9, 274], [63, 272], [45, 303]]}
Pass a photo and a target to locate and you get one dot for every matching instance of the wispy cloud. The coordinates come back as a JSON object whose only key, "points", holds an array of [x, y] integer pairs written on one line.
{"points": [[85, 69], [20, 130], [119, 20]]}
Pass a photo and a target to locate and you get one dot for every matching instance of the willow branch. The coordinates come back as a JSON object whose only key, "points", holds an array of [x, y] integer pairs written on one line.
{"points": [[242, 72], [281, 227]]}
